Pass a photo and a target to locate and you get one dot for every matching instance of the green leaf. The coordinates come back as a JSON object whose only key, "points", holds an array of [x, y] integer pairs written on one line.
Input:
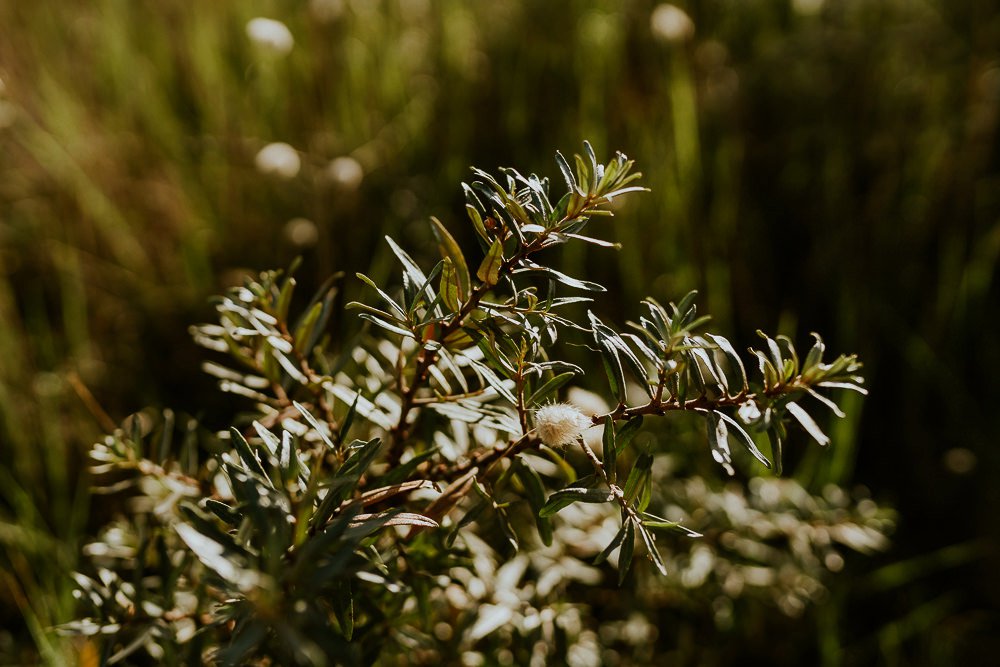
{"points": [[411, 268], [449, 249], [610, 452], [807, 423], [388, 326], [627, 432], [638, 476], [613, 370], [403, 471], [343, 607], [628, 548], [271, 441], [744, 438], [246, 637], [503, 520], [357, 305], [424, 293], [468, 518], [735, 362], [223, 511], [566, 497], [652, 551], [345, 427], [246, 454], [826, 401], [595, 166], [489, 270], [622, 350], [657, 522], [772, 346], [286, 457], [560, 277], [217, 557], [535, 492], [493, 381], [551, 385], [450, 288], [395, 518], [385, 297], [284, 299], [815, 355], [567, 174], [718, 438], [844, 385], [305, 330], [346, 479], [614, 544], [314, 423], [597, 242], [777, 443], [477, 222]]}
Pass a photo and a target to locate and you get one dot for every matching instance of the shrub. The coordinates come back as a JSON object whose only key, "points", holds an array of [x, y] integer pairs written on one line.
{"points": [[420, 493]]}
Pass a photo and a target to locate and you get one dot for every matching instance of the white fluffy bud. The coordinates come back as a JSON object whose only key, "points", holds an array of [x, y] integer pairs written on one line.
{"points": [[560, 424]]}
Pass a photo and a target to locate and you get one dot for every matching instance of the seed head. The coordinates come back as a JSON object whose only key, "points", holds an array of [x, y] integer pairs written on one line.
{"points": [[560, 424]]}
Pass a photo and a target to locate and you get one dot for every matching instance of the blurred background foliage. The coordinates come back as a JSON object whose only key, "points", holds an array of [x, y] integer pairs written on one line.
{"points": [[826, 165]]}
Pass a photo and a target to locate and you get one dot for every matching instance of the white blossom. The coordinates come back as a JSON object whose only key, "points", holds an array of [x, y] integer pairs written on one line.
{"points": [[560, 424]]}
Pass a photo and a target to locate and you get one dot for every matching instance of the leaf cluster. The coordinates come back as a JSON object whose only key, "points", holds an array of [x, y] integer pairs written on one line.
{"points": [[362, 475]]}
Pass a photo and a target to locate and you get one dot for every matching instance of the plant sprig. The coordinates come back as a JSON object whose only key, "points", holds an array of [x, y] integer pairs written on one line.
{"points": [[432, 420]]}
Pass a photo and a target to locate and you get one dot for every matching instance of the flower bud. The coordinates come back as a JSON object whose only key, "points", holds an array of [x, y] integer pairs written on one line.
{"points": [[560, 424]]}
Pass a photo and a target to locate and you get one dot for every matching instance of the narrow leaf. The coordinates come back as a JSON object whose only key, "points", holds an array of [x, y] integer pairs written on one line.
{"points": [[411, 268], [548, 387], [567, 174], [652, 551], [566, 497], [247, 455], [489, 270], [314, 423], [628, 548], [744, 438], [450, 288], [493, 381], [449, 248], [388, 326], [614, 544], [807, 423], [627, 432], [610, 449]]}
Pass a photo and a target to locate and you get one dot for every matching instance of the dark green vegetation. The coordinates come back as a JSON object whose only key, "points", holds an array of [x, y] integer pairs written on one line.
{"points": [[833, 171], [439, 419]]}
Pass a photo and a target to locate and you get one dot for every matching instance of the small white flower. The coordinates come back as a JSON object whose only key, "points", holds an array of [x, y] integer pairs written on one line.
{"points": [[560, 424], [278, 159], [671, 24], [271, 35]]}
